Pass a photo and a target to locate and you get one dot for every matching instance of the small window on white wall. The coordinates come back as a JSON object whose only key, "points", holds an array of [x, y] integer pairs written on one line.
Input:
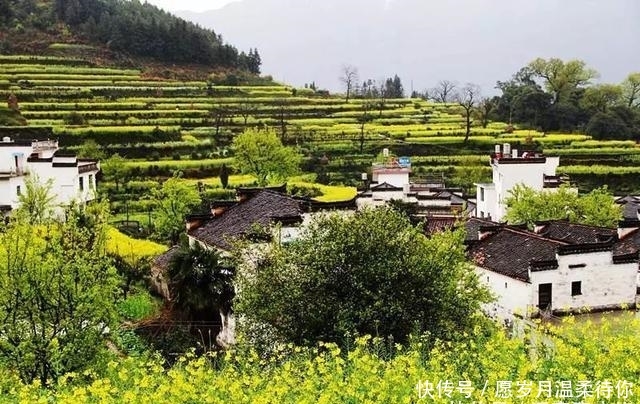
{"points": [[505, 285], [18, 190], [576, 288]]}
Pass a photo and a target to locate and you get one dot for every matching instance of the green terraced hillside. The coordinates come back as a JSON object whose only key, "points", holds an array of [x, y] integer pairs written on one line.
{"points": [[162, 125]]}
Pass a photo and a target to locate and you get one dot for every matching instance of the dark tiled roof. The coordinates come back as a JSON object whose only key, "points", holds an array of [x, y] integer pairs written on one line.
{"points": [[162, 262], [630, 206], [574, 233], [473, 225], [262, 209], [512, 252], [629, 244]]}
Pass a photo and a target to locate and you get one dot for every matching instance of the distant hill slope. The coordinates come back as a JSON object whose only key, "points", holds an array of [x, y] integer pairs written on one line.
{"points": [[115, 29]]}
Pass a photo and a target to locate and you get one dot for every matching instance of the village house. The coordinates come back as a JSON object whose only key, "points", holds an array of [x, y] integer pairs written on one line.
{"points": [[259, 215], [429, 199], [71, 178], [510, 168], [559, 267]]}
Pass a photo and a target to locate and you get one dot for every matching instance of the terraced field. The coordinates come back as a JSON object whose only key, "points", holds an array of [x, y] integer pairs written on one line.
{"points": [[162, 125]]}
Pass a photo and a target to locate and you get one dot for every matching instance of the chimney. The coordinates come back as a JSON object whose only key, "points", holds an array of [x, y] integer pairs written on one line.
{"points": [[496, 149], [514, 153], [385, 152], [506, 149]]}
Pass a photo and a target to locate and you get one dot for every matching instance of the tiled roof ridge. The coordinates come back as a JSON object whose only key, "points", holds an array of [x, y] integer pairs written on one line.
{"points": [[533, 235], [566, 221]]}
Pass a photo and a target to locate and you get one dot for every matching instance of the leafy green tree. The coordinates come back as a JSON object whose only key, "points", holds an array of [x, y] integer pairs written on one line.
{"points": [[91, 150], [601, 97], [631, 90], [527, 206], [115, 169], [57, 293], [36, 201], [561, 78], [367, 273], [608, 125], [172, 202], [261, 153]]}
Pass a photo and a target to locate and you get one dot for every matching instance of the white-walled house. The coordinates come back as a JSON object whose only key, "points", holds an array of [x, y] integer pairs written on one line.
{"points": [[510, 168], [391, 181], [530, 273], [71, 179]]}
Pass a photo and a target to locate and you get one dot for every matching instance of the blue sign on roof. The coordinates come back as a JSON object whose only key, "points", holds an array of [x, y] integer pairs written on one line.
{"points": [[404, 161]]}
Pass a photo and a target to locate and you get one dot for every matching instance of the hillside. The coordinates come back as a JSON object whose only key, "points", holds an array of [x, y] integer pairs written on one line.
{"points": [[128, 33], [162, 125]]}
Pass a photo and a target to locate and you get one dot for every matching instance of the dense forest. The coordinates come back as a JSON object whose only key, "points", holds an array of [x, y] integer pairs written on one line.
{"points": [[131, 27]]}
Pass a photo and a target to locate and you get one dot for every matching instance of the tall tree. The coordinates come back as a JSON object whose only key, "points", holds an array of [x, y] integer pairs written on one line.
{"points": [[467, 97], [262, 154], [37, 201], [561, 78], [631, 90], [58, 293], [224, 176], [115, 169], [329, 283], [600, 97], [172, 202], [485, 107], [349, 79], [444, 91]]}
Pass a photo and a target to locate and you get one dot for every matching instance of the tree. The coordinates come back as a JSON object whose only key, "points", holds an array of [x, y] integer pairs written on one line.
{"points": [[201, 287], [91, 150], [561, 78], [368, 273], [527, 206], [601, 97], [57, 293], [631, 90], [115, 169], [363, 120], [349, 78], [224, 176], [36, 202], [484, 109], [608, 125], [261, 154], [443, 92], [172, 202], [467, 97], [394, 88]]}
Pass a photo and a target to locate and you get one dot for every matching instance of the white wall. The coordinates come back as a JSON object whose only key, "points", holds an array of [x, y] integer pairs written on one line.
{"points": [[8, 191], [603, 283], [395, 179], [488, 206], [514, 298]]}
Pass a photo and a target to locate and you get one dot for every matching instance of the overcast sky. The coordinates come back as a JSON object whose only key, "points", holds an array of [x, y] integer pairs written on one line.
{"points": [[423, 41], [190, 5]]}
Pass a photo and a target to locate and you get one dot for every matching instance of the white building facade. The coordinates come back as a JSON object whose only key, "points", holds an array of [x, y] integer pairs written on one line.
{"points": [[510, 168], [529, 274], [71, 179]]}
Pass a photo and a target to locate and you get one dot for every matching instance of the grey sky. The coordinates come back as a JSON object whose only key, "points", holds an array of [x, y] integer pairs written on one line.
{"points": [[423, 41]]}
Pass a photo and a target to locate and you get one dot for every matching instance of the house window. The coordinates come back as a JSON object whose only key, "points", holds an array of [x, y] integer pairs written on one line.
{"points": [[18, 190], [91, 184], [505, 285], [576, 288], [481, 194], [575, 266], [81, 183]]}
